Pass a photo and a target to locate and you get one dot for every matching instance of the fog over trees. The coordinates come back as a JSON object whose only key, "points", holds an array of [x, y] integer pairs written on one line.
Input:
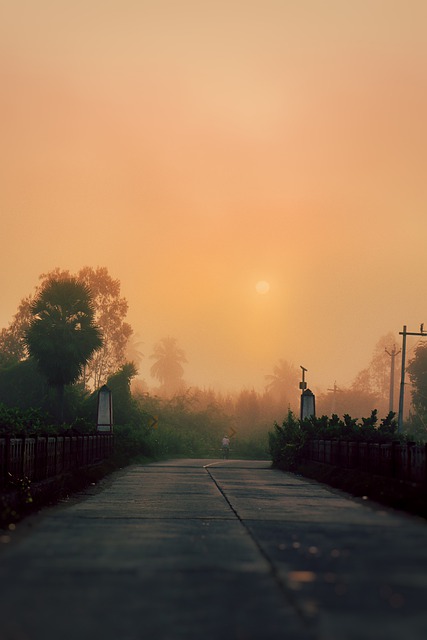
{"points": [[167, 368], [370, 388], [90, 303], [283, 383]]}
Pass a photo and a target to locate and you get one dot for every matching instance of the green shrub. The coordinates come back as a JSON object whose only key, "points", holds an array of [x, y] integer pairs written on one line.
{"points": [[349, 429], [21, 422], [286, 443]]}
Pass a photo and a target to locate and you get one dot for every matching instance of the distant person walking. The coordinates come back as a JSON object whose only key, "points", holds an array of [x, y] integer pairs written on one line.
{"points": [[225, 447]]}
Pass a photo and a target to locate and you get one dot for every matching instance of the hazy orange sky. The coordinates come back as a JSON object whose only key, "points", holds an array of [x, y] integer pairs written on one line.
{"points": [[197, 147]]}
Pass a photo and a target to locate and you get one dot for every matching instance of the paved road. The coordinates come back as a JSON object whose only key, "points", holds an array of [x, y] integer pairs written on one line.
{"points": [[226, 550]]}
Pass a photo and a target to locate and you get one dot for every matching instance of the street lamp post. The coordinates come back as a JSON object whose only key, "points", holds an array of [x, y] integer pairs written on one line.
{"points": [[393, 355], [307, 398], [303, 384]]}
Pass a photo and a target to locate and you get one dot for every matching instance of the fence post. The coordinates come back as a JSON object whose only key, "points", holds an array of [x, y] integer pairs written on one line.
{"points": [[22, 461], [5, 461]]}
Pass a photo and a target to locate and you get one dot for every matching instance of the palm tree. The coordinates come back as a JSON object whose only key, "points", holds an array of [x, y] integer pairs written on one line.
{"points": [[62, 335], [168, 368], [283, 383]]}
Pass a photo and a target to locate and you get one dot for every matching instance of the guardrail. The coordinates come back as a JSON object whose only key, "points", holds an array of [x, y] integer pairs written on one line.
{"points": [[405, 462], [41, 457]]}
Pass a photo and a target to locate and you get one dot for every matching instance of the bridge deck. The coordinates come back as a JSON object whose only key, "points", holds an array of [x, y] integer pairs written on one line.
{"points": [[218, 550]]}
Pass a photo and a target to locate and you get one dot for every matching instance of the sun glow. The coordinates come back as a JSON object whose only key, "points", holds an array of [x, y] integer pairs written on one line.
{"points": [[262, 287]]}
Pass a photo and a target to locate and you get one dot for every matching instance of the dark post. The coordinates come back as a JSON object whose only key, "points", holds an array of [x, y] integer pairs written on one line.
{"points": [[307, 398]]}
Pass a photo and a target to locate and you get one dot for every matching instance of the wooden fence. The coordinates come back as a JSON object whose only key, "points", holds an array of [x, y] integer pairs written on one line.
{"points": [[41, 457], [405, 462]]}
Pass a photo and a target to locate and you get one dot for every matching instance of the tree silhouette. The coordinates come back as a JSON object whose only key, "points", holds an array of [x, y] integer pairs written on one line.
{"points": [[168, 368], [110, 311], [374, 380], [12, 346], [62, 335], [283, 384], [417, 370]]}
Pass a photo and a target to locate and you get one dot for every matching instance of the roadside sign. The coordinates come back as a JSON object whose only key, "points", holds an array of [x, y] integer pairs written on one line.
{"points": [[153, 422]]}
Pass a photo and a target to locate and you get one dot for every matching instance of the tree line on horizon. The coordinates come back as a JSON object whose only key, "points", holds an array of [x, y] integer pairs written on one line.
{"points": [[71, 337]]}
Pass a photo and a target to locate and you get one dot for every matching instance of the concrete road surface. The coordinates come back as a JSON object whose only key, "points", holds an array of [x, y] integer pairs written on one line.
{"points": [[215, 550]]}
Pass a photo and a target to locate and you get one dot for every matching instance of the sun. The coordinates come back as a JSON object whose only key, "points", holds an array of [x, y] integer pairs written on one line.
{"points": [[262, 287]]}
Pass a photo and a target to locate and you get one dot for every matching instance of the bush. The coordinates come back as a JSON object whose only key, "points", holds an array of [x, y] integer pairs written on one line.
{"points": [[286, 443], [17, 422], [349, 429]]}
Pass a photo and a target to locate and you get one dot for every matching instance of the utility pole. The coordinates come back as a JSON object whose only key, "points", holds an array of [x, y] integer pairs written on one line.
{"points": [[303, 387], [405, 333], [335, 389], [303, 384], [393, 355]]}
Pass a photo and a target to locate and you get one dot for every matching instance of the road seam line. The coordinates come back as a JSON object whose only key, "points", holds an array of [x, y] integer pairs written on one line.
{"points": [[274, 572]]}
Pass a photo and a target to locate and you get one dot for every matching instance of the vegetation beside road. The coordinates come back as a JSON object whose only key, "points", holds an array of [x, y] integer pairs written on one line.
{"points": [[290, 451], [287, 440], [71, 337]]}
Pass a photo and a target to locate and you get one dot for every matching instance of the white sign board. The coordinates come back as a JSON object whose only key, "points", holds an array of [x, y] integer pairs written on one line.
{"points": [[105, 410]]}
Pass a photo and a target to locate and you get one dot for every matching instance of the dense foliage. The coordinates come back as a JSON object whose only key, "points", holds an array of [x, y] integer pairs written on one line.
{"points": [[173, 420], [20, 422], [145, 426], [417, 370], [62, 335], [287, 440], [110, 311], [286, 443]]}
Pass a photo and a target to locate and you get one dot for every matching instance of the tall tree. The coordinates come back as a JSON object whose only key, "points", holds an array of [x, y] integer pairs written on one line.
{"points": [[375, 379], [12, 344], [168, 367], [62, 335], [417, 371], [283, 384], [110, 313], [124, 406], [133, 350]]}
